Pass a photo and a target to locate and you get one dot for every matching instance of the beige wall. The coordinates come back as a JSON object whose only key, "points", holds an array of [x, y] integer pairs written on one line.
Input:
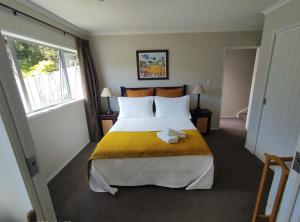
{"points": [[238, 72], [59, 134], [30, 28], [285, 16], [193, 58]]}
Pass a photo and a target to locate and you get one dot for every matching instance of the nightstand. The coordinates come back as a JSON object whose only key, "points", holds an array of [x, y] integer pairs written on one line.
{"points": [[107, 121], [202, 120]]}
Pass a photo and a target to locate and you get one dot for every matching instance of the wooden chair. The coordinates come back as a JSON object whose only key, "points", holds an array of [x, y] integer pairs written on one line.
{"points": [[271, 160]]}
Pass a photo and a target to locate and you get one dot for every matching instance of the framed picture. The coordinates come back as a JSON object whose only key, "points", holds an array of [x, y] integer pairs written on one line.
{"points": [[152, 64]]}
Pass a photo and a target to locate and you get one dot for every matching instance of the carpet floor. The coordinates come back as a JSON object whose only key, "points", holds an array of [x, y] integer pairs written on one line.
{"points": [[231, 199]]}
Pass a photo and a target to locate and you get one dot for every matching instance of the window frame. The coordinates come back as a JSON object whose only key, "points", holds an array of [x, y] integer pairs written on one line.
{"points": [[10, 37]]}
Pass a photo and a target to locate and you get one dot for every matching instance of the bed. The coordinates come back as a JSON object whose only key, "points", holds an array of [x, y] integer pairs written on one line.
{"points": [[160, 166]]}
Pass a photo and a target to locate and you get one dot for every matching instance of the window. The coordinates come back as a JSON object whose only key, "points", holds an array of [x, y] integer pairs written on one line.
{"points": [[46, 76]]}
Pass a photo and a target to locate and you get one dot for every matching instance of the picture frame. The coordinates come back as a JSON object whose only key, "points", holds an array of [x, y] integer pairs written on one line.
{"points": [[152, 64]]}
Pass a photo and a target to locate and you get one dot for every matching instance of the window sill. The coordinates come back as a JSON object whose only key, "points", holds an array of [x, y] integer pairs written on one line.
{"points": [[46, 111]]}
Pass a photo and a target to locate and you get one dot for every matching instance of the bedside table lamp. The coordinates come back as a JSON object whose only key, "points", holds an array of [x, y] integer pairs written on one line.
{"points": [[106, 92], [199, 89]]}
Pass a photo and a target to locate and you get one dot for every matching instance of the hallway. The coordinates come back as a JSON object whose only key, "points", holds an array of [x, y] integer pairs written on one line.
{"points": [[235, 126]]}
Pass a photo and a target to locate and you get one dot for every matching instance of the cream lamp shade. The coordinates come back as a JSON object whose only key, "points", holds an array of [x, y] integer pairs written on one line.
{"points": [[199, 89], [106, 92]]}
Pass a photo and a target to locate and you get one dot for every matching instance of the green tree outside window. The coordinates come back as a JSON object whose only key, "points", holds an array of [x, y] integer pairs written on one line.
{"points": [[35, 59]]}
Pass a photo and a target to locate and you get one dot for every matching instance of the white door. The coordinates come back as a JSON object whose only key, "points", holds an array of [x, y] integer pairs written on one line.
{"points": [[14, 119], [280, 122]]}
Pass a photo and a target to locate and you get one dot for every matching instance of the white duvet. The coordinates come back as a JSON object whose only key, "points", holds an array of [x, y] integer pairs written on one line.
{"points": [[192, 172]]}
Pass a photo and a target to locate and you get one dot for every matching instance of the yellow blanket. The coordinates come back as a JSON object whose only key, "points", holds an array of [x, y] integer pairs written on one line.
{"points": [[146, 144]]}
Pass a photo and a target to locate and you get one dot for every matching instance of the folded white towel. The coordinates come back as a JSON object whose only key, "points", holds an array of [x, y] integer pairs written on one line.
{"points": [[172, 132], [166, 138]]}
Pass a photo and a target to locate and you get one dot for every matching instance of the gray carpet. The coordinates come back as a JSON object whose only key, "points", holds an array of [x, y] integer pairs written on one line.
{"points": [[231, 199]]}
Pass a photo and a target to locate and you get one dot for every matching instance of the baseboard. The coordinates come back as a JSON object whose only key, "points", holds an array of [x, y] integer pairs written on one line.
{"points": [[230, 117], [261, 157], [248, 148], [65, 164]]}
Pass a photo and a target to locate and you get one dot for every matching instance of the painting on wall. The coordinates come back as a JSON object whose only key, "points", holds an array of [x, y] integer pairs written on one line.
{"points": [[152, 64]]}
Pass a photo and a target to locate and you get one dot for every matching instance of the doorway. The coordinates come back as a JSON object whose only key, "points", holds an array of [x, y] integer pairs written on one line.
{"points": [[238, 75]]}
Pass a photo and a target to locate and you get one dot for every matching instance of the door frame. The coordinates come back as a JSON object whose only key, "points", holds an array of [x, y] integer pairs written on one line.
{"points": [[223, 71], [18, 131], [254, 77]]}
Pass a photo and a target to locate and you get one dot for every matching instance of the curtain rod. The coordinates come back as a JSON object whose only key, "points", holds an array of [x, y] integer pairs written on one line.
{"points": [[16, 12]]}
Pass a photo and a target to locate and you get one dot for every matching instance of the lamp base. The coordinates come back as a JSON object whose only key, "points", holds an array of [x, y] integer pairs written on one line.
{"points": [[109, 112], [198, 109]]}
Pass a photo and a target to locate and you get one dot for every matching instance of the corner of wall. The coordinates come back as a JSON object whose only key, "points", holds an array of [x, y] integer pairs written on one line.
{"points": [[65, 163]]}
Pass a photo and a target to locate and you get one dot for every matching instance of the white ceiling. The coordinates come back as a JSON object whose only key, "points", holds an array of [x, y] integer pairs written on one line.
{"points": [[159, 16]]}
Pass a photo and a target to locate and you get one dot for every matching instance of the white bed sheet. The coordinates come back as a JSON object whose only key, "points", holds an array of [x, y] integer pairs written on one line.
{"points": [[192, 172]]}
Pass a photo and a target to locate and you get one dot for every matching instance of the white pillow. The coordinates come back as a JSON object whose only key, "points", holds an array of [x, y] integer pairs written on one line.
{"points": [[138, 107], [172, 107]]}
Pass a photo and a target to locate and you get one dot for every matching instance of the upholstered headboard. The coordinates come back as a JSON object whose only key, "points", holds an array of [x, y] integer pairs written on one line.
{"points": [[155, 90]]}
